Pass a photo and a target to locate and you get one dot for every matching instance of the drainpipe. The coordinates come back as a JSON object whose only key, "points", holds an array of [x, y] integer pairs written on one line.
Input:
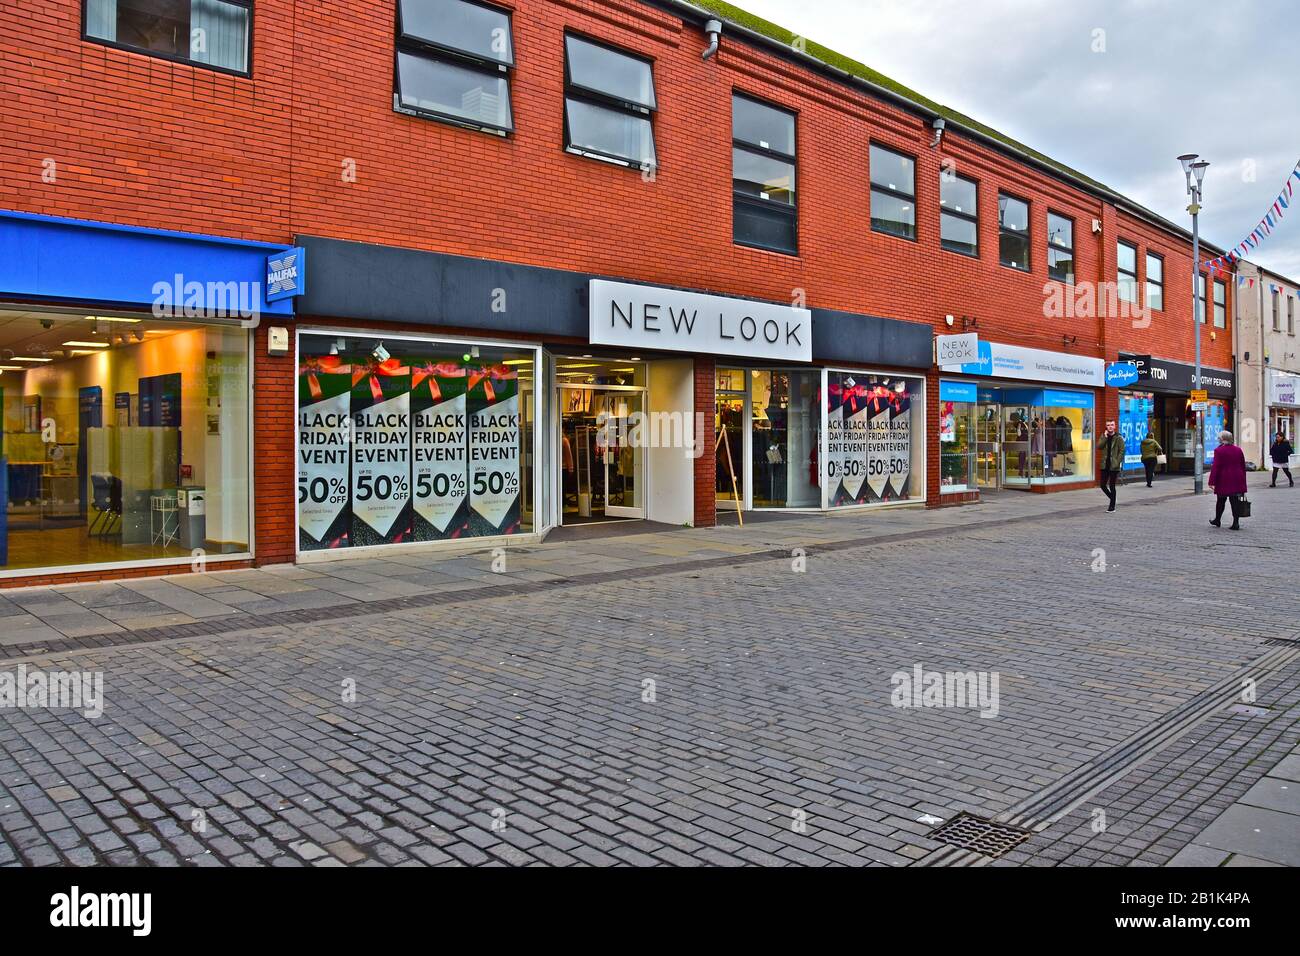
{"points": [[714, 30]]}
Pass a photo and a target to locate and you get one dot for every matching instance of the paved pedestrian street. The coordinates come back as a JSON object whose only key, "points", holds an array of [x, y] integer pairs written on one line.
{"points": [[717, 696]]}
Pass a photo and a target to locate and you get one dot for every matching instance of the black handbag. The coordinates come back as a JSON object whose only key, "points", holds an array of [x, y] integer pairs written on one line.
{"points": [[1240, 506]]}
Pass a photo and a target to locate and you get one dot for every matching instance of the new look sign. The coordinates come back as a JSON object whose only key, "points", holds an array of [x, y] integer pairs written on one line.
{"points": [[645, 317]]}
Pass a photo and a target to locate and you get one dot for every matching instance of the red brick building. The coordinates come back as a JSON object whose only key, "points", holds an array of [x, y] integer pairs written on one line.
{"points": [[459, 174]]}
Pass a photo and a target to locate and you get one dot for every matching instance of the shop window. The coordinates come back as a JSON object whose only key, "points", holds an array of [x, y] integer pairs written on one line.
{"points": [[609, 99], [785, 421], [958, 431], [1126, 271], [763, 176], [1013, 232], [210, 33], [1048, 436], [875, 438], [959, 214], [893, 192], [1155, 282], [1220, 304], [125, 438], [404, 440], [1060, 248], [453, 63]]}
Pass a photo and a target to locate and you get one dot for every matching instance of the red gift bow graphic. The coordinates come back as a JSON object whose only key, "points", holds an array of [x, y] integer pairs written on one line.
{"points": [[318, 365], [372, 369], [431, 373], [487, 375]]}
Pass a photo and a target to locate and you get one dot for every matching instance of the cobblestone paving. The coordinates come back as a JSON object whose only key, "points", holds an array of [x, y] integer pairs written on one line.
{"points": [[518, 729]]}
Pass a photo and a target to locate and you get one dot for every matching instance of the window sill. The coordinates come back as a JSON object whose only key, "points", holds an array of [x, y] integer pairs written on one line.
{"points": [[167, 57], [894, 235], [446, 120], [611, 160], [775, 250]]}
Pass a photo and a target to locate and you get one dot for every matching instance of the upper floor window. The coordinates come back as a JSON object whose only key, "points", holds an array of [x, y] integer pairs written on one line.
{"points": [[1290, 316], [1220, 304], [1060, 248], [1155, 282], [1013, 232], [208, 32], [959, 214], [1126, 268], [453, 63], [762, 176], [1200, 294], [609, 97], [893, 192], [1277, 313]]}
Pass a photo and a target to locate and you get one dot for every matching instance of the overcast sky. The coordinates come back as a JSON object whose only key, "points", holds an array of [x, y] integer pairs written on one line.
{"points": [[1027, 68]]}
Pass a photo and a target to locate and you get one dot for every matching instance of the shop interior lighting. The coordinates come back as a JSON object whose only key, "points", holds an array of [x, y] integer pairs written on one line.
{"points": [[86, 345]]}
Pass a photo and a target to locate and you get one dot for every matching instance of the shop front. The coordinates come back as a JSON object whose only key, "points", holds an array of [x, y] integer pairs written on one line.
{"points": [[1159, 404], [1036, 433], [125, 397], [427, 415], [1283, 409]]}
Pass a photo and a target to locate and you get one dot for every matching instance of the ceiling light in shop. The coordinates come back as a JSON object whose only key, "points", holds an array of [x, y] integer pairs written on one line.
{"points": [[582, 365], [518, 362], [74, 353], [87, 345], [12, 368], [31, 358], [109, 318]]}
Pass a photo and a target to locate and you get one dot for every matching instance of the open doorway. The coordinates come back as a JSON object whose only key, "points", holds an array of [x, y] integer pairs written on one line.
{"points": [[601, 458]]}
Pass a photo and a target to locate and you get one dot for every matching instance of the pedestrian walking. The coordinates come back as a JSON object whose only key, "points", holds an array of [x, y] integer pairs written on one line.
{"points": [[1111, 452], [1227, 479], [1281, 452], [1151, 452]]}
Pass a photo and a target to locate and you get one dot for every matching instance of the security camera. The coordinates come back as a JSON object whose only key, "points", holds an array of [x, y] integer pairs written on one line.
{"points": [[380, 353], [47, 323], [949, 320]]}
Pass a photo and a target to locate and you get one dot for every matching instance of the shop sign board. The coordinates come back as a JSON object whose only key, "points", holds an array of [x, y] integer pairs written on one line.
{"points": [[1120, 374], [645, 317], [1035, 365], [956, 349]]}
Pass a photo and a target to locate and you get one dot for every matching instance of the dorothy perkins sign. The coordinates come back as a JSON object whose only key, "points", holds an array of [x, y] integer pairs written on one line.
{"points": [[646, 317]]}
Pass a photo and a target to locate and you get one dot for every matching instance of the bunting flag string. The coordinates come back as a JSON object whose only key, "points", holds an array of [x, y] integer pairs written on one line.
{"points": [[1262, 231]]}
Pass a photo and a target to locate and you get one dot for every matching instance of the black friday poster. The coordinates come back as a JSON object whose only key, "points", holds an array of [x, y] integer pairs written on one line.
{"points": [[494, 444], [439, 450], [324, 454], [381, 451]]}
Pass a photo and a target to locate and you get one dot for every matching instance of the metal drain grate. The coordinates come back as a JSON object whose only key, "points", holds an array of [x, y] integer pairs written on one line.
{"points": [[1282, 642], [970, 832]]}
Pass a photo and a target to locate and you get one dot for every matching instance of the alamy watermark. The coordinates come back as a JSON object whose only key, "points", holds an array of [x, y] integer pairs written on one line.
{"points": [[25, 689], [922, 688], [181, 298]]}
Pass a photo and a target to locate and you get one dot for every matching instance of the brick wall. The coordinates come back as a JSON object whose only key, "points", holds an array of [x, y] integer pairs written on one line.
{"points": [[144, 141]]}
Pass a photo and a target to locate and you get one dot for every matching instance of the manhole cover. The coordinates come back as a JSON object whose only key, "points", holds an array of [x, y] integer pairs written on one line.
{"points": [[982, 836]]}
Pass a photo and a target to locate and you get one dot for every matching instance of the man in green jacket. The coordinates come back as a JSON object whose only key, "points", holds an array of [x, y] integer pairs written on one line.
{"points": [[1151, 451], [1110, 451]]}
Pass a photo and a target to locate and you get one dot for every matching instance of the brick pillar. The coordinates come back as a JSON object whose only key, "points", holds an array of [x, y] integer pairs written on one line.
{"points": [[931, 428], [706, 514], [274, 482]]}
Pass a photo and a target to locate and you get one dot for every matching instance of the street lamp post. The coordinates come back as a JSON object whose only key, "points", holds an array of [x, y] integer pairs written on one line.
{"points": [[1194, 171]]}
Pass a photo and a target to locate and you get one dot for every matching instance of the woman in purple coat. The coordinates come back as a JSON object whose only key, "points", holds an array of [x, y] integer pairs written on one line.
{"points": [[1227, 478]]}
